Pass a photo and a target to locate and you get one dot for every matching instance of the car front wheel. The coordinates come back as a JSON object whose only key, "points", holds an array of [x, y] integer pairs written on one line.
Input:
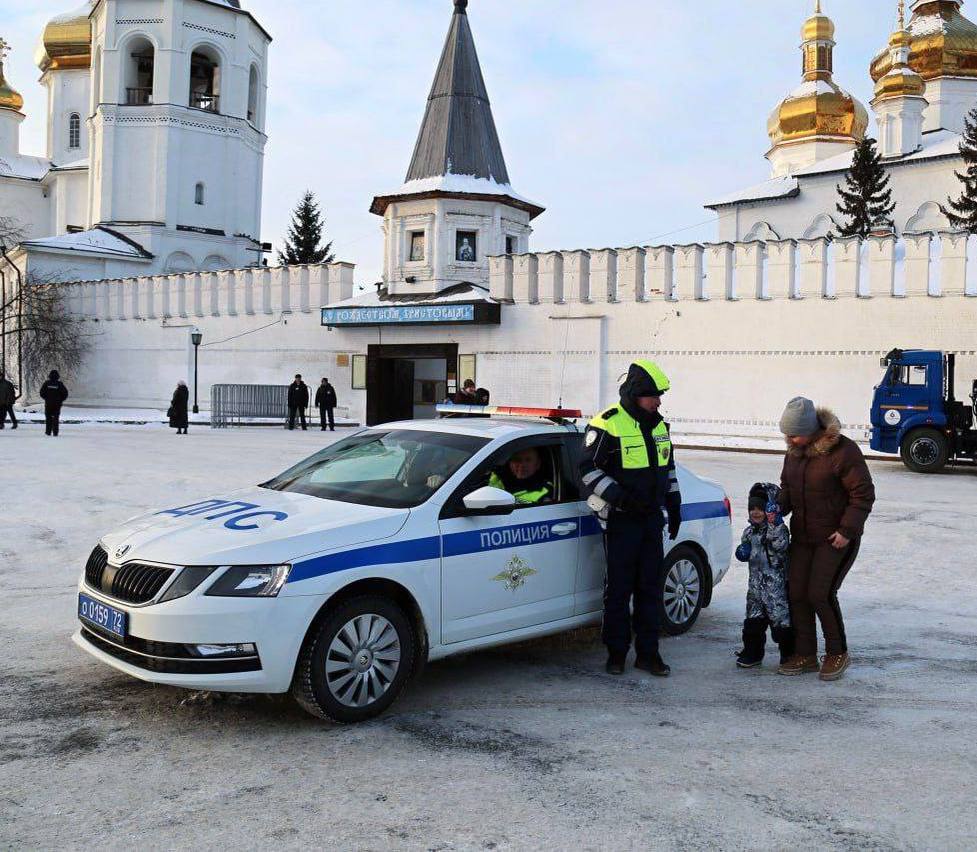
{"points": [[356, 662], [683, 590]]}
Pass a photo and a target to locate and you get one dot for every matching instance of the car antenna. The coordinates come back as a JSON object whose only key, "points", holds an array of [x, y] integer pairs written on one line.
{"points": [[566, 343]]}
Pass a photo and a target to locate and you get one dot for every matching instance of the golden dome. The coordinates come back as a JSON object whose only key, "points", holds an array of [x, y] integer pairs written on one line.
{"points": [[9, 97], [67, 41], [818, 108], [942, 42], [900, 81]]}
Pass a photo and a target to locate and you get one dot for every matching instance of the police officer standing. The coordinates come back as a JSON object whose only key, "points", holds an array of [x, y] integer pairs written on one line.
{"points": [[628, 469]]}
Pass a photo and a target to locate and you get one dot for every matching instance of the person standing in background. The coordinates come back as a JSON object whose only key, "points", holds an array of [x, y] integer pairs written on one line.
{"points": [[325, 401], [298, 401], [8, 393], [54, 393], [179, 416]]}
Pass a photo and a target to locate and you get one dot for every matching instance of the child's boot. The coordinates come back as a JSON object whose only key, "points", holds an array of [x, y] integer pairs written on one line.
{"points": [[754, 640], [783, 635]]}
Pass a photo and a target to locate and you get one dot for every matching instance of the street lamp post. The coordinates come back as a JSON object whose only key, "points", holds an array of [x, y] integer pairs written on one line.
{"points": [[196, 336]]}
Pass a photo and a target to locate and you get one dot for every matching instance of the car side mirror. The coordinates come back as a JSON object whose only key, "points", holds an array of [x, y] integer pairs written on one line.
{"points": [[489, 501]]}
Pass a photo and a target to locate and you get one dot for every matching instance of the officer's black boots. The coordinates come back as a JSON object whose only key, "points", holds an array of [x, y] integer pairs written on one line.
{"points": [[653, 665], [615, 665]]}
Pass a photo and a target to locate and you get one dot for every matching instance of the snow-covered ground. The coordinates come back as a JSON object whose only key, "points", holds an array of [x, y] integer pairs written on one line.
{"points": [[525, 747]]}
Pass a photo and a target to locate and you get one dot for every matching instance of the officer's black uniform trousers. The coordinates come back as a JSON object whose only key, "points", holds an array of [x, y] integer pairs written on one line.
{"points": [[635, 559]]}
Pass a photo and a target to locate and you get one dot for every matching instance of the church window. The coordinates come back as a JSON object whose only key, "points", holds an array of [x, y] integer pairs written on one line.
{"points": [[253, 96], [417, 246], [139, 73], [198, 194], [205, 80], [511, 244], [466, 246], [74, 131]]}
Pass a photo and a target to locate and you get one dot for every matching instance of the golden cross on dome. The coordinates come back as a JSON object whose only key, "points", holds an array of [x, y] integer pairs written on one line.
{"points": [[817, 7], [4, 48], [902, 14]]}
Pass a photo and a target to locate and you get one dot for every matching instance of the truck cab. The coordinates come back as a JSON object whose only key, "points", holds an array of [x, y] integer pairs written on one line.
{"points": [[915, 412]]}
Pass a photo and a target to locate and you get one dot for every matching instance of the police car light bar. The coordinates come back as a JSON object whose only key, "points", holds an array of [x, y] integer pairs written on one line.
{"points": [[510, 411]]}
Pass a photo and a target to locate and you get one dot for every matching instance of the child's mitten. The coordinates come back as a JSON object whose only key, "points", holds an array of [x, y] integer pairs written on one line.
{"points": [[743, 551]]}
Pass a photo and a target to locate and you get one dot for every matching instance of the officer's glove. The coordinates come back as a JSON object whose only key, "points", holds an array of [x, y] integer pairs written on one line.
{"points": [[674, 522]]}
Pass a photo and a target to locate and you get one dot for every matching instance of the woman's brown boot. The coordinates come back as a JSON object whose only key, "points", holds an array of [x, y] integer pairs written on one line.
{"points": [[834, 666], [799, 664]]}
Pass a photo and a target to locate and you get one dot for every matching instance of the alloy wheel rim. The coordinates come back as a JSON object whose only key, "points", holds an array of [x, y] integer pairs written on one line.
{"points": [[363, 660], [924, 451], [681, 591]]}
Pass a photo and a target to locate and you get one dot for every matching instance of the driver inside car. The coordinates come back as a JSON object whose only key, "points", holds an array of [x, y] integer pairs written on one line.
{"points": [[524, 478]]}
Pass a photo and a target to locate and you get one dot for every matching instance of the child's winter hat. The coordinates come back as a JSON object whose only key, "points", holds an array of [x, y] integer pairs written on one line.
{"points": [[762, 494]]}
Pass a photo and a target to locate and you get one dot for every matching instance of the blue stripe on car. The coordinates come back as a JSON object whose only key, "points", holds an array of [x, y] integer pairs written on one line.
{"points": [[461, 544]]}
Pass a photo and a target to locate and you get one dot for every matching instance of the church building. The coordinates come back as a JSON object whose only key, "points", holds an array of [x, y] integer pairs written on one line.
{"points": [[155, 142], [925, 85]]}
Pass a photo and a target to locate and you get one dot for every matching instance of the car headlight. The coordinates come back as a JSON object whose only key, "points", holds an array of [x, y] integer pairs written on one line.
{"points": [[250, 581], [188, 580]]}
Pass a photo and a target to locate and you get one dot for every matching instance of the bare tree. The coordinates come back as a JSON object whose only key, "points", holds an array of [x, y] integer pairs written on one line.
{"points": [[38, 329], [11, 231]]}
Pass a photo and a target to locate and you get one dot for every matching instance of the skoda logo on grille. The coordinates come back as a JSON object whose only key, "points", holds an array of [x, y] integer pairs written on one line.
{"points": [[122, 551]]}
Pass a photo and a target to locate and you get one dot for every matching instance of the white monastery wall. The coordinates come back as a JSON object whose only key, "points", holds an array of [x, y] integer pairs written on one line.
{"points": [[740, 328], [24, 202]]}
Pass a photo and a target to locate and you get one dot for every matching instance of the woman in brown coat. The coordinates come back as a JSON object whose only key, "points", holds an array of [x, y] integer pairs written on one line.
{"points": [[828, 491]]}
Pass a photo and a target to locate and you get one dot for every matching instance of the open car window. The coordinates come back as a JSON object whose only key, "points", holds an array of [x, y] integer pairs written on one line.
{"points": [[398, 469]]}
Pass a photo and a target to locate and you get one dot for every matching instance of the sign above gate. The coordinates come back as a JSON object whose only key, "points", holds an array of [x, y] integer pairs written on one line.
{"points": [[478, 313]]}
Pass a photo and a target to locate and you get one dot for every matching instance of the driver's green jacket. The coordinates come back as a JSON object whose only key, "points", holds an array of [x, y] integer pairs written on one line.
{"points": [[527, 497]]}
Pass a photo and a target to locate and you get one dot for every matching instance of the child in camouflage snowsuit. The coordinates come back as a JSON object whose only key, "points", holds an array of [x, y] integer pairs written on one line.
{"points": [[765, 545]]}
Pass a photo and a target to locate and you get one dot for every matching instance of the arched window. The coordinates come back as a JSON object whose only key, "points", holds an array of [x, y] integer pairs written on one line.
{"points": [[205, 79], [198, 194], [74, 131], [253, 96], [139, 70]]}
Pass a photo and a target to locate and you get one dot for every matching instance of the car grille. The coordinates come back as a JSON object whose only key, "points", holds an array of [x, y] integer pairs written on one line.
{"points": [[164, 657], [133, 582]]}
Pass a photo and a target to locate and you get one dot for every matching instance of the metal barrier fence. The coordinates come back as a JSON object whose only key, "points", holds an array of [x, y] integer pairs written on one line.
{"points": [[233, 404]]}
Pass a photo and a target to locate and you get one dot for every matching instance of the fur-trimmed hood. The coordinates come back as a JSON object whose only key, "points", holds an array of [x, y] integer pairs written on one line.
{"points": [[826, 441]]}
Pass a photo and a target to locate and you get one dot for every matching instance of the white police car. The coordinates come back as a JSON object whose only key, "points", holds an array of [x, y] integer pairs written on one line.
{"points": [[339, 578]]}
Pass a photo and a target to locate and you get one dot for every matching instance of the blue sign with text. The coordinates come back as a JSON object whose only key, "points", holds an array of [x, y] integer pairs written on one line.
{"points": [[399, 315]]}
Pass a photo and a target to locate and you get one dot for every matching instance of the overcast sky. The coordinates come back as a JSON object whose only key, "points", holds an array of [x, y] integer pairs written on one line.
{"points": [[621, 117]]}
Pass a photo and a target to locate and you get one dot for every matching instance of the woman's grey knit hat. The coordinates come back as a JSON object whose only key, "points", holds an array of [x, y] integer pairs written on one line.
{"points": [[800, 418]]}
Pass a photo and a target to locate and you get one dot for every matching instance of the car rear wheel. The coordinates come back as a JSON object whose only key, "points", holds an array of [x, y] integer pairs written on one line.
{"points": [[356, 662], [683, 590], [925, 451]]}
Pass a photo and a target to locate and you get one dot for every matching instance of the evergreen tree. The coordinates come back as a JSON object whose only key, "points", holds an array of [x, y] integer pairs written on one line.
{"points": [[305, 235], [866, 201], [963, 212]]}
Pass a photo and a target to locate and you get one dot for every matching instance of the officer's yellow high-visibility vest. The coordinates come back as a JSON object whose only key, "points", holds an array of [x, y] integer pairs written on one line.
{"points": [[634, 452], [495, 481]]}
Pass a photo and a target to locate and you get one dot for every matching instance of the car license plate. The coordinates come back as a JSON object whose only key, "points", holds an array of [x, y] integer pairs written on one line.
{"points": [[102, 615]]}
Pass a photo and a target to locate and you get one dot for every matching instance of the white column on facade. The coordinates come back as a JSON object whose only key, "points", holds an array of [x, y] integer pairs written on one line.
{"points": [[525, 278], [341, 280], [631, 274], [228, 283], [119, 287], [196, 286], [917, 264], [133, 286], [576, 275], [814, 268], [881, 268], [660, 277], [781, 269], [214, 287], [319, 284], [719, 281], [688, 272], [164, 292], [551, 277], [149, 288], [265, 277], [181, 291], [104, 300], [603, 275], [281, 277], [500, 277], [303, 274], [848, 266], [953, 263]]}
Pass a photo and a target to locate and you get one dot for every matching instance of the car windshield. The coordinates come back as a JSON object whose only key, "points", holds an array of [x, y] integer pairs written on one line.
{"points": [[398, 469]]}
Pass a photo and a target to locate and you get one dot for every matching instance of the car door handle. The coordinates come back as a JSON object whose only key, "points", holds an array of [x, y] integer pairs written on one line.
{"points": [[564, 529]]}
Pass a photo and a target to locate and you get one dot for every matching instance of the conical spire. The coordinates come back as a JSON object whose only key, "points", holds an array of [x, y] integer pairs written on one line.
{"points": [[458, 135]]}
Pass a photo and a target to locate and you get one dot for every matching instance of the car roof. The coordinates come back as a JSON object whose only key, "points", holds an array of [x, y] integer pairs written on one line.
{"points": [[484, 427]]}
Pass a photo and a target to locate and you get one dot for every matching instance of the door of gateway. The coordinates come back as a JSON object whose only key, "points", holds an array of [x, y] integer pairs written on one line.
{"points": [[406, 381]]}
